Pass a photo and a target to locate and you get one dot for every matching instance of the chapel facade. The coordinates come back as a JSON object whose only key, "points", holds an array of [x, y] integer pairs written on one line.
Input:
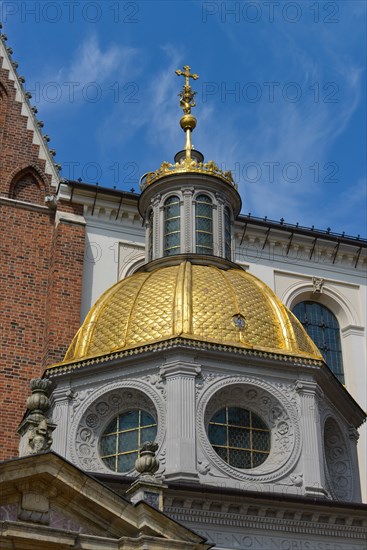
{"points": [[189, 345]]}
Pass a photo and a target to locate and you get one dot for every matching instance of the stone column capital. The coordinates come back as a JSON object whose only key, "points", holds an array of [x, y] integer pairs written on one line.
{"points": [[180, 368], [188, 191], [308, 388]]}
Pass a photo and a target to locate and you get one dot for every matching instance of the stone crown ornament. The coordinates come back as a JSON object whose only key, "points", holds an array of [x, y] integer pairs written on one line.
{"points": [[187, 165]]}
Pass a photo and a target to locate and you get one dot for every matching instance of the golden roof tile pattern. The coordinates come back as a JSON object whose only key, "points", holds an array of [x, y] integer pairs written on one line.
{"points": [[193, 301]]}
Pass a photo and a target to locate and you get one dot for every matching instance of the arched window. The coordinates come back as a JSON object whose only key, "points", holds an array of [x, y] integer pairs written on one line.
{"points": [[227, 234], [322, 326], [150, 235], [171, 244], [204, 225]]}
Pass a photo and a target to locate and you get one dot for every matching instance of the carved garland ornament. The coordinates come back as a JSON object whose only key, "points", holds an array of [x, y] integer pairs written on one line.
{"points": [[280, 414], [97, 412]]}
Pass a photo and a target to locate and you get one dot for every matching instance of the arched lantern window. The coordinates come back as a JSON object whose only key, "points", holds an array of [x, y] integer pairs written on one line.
{"points": [[204, 225], [171, 244]]}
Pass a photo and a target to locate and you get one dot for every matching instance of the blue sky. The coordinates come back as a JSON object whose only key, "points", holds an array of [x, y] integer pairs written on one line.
{"points": [[281, 97]]}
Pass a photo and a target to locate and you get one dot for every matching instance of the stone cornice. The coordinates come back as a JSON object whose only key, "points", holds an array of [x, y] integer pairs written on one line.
{"points": [[304, 249], [352, 329], [218, 519], [69, 217], [173, 343], [25, 205]]}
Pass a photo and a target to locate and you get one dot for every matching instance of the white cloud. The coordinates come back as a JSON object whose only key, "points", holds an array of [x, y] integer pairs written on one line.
{"points": [[90, 72]]}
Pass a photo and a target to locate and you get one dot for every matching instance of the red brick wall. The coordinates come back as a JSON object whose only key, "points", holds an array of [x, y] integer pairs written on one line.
{"points": [[64, 287], [17, 150], [40, 270], [26, 188]]}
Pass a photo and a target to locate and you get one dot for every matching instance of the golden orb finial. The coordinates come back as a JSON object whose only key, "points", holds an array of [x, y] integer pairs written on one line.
{"points": [[188, 121]]}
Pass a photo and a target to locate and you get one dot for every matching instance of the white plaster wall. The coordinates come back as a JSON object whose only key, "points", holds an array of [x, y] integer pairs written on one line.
{"points": [[106, 256]]}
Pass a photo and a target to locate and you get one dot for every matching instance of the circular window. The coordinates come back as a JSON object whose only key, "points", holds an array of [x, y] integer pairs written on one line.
{"points": [[123, 437], [239, 437]]}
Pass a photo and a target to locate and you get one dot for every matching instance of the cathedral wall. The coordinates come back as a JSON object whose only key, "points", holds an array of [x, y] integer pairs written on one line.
{"points": [[41, 293], [22, 153], [25, 246], [42, 248]]}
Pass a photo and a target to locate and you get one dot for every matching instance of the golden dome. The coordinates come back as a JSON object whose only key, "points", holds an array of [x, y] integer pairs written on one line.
{"points": [[199, 302]]}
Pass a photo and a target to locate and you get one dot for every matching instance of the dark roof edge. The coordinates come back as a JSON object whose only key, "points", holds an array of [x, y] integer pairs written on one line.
{"points": [[95, 188], [301, 230]]}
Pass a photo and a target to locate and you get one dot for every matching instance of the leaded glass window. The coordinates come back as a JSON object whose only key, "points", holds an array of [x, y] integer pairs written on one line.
{"points": [[323, 327], [123, 437], [171, 244], [204, 225], [239, 437], [227, 234]]}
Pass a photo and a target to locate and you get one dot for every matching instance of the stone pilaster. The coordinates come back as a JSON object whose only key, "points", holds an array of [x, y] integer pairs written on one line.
{"points": [[60, 400], [313, 456], [181, 418], [353, 438], [157, 238], [187, 238], [218, 216]]}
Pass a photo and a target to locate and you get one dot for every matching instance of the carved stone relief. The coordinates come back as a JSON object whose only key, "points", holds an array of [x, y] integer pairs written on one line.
{"points": [[338, 462], [204, 380], [278, 410], [158, 382], [100, 408]]}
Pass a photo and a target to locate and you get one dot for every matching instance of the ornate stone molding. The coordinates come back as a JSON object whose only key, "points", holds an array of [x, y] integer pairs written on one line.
{"points": [[245, 522], [186, 343], [99, 408], [158, 381], [339, 470], [264, 399]]}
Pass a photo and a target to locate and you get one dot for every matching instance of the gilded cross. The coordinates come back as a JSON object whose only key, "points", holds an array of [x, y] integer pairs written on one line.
{"points": [[187, 95], [186, 73]]}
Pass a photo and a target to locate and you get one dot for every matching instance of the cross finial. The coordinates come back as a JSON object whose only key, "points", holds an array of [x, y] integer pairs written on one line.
{"points": [[187, 122], [186, 73], [187, 94]]}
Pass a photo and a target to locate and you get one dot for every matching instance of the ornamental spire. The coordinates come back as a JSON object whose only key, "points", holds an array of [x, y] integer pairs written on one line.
{"points": [[188, 121]]}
